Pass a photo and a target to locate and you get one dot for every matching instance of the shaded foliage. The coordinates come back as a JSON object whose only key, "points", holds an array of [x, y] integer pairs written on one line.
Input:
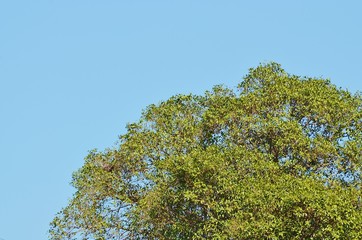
{"points": [[277, 158]]}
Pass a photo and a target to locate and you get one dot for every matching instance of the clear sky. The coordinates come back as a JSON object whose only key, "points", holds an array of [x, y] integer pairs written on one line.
{"points": [[74, 72]]}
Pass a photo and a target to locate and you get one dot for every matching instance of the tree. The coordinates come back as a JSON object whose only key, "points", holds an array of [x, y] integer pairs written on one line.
{"points": [[277, 158]]}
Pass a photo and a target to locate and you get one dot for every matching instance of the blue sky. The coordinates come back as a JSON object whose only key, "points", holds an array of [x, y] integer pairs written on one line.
{"points": [[73, 73]]}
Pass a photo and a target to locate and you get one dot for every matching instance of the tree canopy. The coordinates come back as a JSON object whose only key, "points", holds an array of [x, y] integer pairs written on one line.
{"points": [[279, 157]]}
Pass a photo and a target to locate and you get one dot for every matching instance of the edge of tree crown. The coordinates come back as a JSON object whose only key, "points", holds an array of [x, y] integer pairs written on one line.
{"points": [[277, 158]]}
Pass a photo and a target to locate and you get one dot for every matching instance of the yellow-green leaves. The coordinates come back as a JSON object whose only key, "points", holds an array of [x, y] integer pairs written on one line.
{"points": [[280, 158]]}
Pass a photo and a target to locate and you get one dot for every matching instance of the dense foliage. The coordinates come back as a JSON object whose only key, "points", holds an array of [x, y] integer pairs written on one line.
{"points": [[277, 158]]}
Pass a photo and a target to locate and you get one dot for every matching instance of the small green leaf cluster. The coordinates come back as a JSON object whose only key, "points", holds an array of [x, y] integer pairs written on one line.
{"points": [[278, 158]]}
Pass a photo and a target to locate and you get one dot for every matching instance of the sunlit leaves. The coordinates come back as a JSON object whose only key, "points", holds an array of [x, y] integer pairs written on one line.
{"points": [[279, 158]]}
